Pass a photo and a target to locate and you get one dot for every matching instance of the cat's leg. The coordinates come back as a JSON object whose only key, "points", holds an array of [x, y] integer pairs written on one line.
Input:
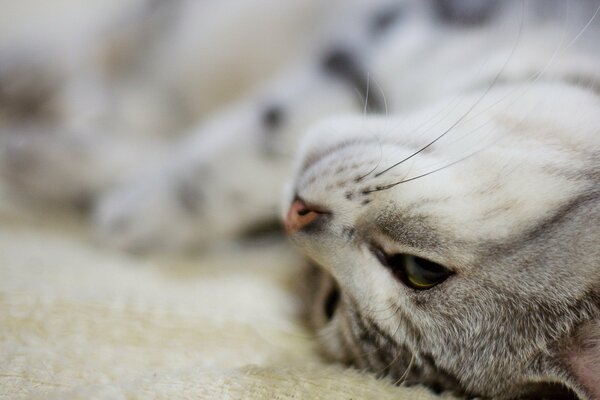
{"points": [[215, 185], [226, 177]]}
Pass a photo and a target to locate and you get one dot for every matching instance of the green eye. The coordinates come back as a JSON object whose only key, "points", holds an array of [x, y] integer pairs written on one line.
{"points": [[415, 272], [424, 274]]}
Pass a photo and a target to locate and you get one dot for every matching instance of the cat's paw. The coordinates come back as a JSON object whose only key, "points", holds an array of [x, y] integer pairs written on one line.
{"points": [[182, 206], [143, 217], [167, 208]]}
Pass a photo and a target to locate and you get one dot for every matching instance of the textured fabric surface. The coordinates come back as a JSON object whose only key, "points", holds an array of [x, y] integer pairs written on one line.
{"points": [[80, 322]]}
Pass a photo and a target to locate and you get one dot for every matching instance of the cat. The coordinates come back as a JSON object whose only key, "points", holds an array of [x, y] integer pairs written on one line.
{"points": [[469, 263], [457, 245]]}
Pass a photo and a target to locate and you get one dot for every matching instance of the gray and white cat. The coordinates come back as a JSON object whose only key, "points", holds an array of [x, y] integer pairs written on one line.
{"points": [[463, 256], [460, 242], [458, 232]]}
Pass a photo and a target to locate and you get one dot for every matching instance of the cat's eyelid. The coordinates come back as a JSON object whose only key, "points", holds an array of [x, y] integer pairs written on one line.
{"points": [[382, 252], [389, 246]]}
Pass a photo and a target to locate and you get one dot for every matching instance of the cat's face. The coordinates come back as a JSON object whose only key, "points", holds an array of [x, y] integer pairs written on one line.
{"points": [[473, 264]]}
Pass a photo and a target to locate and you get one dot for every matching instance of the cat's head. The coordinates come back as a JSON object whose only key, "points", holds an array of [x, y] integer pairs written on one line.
{"points": [[461, 247]]}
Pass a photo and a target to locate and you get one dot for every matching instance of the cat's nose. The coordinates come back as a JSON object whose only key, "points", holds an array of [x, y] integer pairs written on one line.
{"points": [[300, 215]]}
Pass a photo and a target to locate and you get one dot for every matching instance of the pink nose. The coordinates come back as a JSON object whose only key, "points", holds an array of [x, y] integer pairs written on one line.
{"points": [[299, 216]]}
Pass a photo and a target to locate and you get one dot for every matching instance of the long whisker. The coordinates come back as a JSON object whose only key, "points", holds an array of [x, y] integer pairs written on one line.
{"points": [[535, 76], [402, 379], [360, 178], [391, 185], [385, 104], [472, 107], [586, 26], [367, 93], [398, 354]]}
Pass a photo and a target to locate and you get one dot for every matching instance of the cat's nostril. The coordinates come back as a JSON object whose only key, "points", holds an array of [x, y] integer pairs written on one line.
{"points": [[300, 215]]}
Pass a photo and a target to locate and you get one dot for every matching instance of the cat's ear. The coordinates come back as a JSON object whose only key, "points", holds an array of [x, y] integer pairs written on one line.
{"points": [[582, 358]]}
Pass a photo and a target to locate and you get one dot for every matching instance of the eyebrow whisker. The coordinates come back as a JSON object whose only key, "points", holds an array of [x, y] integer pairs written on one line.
{"points": [[391, 185]]}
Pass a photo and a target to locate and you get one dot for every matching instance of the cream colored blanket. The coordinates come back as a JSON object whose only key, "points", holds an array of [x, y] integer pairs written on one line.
{"points": [[80, 322]]}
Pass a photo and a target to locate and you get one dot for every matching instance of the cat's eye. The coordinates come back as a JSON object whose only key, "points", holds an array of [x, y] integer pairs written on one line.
{"points": [[415, 272]]}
